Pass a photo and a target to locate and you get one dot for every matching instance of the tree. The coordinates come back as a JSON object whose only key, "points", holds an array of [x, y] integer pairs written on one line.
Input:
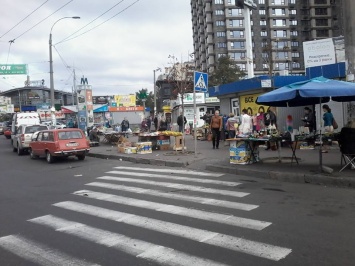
{"points": [[181, 77], [144, 94], [225, 72]]}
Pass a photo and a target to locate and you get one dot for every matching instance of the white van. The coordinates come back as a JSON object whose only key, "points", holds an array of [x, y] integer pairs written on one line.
{"points": [[30, 118]]}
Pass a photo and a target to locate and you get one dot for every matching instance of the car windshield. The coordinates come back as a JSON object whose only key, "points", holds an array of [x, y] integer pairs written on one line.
{"points": [[70, 135], [33, 129]]}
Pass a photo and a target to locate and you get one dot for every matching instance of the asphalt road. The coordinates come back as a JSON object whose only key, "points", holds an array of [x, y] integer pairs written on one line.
{"points": [[76, 213]]}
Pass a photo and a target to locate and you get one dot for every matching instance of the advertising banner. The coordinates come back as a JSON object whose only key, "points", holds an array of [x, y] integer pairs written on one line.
{"points": [[125, 100], [126, 109], [249, 102], [324, 52], [13, 69], [100, 99]]}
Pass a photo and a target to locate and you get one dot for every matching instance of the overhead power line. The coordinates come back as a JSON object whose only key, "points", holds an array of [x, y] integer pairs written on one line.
{"points": [[68, 39], [43, 19], [91, 22], [24, 19]]}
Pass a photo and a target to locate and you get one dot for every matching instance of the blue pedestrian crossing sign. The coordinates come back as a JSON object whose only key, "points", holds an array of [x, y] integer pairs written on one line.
{"points": [[200, 81]]}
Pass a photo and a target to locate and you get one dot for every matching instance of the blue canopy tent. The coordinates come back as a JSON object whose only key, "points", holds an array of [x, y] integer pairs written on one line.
{"points": [[314, 91]]}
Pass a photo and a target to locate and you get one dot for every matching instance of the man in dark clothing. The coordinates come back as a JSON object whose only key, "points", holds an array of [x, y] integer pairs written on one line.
{"points": [[308, 119], [125, 126], [181, 122]]}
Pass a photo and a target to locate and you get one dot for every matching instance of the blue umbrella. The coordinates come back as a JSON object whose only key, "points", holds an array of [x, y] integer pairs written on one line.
{"points": [[313, 91]]}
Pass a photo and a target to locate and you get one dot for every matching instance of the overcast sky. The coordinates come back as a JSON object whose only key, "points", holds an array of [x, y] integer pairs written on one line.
{"points": [[117, 57]]}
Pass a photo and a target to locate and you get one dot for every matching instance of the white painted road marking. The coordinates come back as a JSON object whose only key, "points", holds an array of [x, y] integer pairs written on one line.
{"points": [[171, 171], [179, 178], [177, 186], [176, 196], [254, 248], [181, 211], [38, 253], [135, 247]]}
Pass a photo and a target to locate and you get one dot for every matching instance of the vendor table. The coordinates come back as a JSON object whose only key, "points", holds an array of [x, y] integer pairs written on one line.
{"points": [[159, 141], [112, 137]]}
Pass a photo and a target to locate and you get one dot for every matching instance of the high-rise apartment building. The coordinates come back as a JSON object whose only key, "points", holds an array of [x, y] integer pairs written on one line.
{"points": [[279, 27]]}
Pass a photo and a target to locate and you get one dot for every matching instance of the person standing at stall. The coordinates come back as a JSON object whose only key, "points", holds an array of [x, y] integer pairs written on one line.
{"points": [[270, 121], [216, 128], [308, 119], [328, 125], [125, 126], [232, 122], [181, 121]]}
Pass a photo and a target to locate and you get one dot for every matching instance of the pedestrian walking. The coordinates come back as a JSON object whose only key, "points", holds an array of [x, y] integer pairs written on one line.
{"points": [[216, 128], [181, 121], [328, 125]]}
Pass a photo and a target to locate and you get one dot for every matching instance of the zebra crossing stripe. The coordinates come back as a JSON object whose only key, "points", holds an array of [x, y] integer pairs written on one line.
{"points": [[170, 171], [254, 248], [135, 247], [177, 186], [180, 178], [158, 193], [38, 253], [177, 210]]}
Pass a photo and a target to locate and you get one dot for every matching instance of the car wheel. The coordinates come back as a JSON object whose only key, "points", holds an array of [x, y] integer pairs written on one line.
{"points": [[19, 151], [32, 155], [8, 137], [49, 157], [81, 157]]}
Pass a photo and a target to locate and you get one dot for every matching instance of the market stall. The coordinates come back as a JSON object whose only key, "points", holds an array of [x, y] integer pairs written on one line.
{"points": [[160, 140]]}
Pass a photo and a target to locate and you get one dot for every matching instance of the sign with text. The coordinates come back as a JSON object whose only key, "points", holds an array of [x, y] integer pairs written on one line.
{"points": [[249, 102], [14, 69], [125, 100], [126, 109]]}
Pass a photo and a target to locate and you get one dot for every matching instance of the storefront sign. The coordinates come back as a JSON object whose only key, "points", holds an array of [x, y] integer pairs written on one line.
{"points": [[100, 99], [212, 100], [249, 102], [126, 109], [14, 69], [46, 114], [125, 100]]}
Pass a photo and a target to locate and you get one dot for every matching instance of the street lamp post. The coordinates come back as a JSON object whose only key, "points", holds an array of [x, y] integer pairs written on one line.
{"points": [[155, 92], [51, 60]]}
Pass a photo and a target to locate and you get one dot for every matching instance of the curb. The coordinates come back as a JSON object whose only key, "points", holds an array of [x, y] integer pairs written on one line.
{"points": [[139, 160], [315, 179]]}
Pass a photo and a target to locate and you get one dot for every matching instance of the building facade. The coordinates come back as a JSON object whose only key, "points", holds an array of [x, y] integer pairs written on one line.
{"points": [[278, 28]]}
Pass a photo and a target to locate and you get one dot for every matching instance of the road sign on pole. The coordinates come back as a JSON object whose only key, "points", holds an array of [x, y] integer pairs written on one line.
{"points": [[200, 81]]}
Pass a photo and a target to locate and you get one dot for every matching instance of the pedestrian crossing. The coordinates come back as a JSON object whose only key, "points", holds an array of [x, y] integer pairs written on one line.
{"points": [[138, 197]]}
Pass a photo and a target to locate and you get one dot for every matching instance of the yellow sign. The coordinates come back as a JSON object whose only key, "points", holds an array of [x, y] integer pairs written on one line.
{"points": [[249, 102], [125, 100]]}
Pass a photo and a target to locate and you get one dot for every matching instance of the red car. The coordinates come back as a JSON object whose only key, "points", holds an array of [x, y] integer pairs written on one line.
{"points": [[7, 133], [59, 143]]}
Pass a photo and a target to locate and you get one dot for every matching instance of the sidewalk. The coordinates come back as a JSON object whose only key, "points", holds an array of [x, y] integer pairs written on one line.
{"points": [[206, 158]]}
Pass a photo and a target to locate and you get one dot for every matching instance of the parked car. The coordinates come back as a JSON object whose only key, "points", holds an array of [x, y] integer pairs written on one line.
{"points": [[22, 138], [59, 143], [2, 127], [7, 133], [58, 124]]}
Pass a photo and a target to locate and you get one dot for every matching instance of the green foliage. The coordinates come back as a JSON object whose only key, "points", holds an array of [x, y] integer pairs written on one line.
{"points": [[225, 72], [148, 96]]}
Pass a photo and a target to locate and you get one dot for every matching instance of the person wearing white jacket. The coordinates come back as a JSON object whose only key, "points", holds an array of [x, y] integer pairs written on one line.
{"points": [[246, 126]]}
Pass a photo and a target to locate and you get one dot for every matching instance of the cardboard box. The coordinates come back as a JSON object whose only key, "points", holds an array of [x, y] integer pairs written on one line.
{"points": [[163, 142], [164, 147], [120, 149], [130, 150], [144, 147]]}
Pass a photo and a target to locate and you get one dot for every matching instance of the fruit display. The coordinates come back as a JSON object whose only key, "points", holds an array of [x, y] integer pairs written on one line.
{"points": [[171, 133]]}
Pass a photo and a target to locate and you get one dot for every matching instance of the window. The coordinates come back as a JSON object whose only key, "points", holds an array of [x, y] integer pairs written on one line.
{"points": [[278, 2], [238, 45], [279, 22], [280, 33], [263, 33], [221, 45], [294, 44], [236, 23], [235, 12], [221, 34], [262, 12], [321, 11], [263, 23], [293, 12], [279, 11], [261, 2], [242, 66], [264, 44], [281, 55], [322, 33], [220, 23], [237, 34], [296, 65], [218, 2], [293, 22], [281, 44], [294, 33], [221, 55], [292, 2], [295, 54], [321, 22], [320, 2], [264, 55], [238, 56], [265, 66], [219, 12]]}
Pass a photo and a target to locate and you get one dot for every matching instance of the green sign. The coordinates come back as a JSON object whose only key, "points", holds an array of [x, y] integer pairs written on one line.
{"points": [[13, 69]]}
